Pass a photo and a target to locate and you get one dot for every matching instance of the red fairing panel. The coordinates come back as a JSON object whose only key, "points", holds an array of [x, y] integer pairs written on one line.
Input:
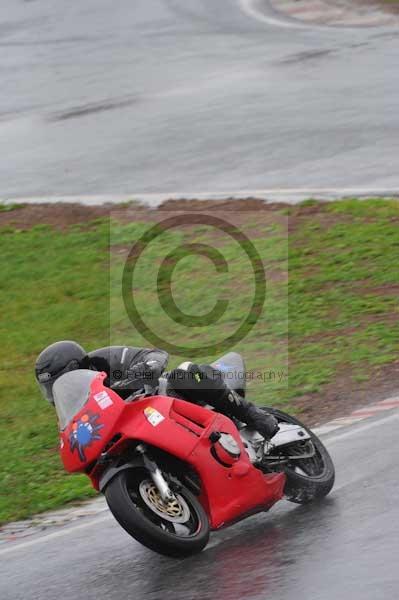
{"points": [[228, 493], [231, 493], [180, 428], [105, 415], [85, 437]]}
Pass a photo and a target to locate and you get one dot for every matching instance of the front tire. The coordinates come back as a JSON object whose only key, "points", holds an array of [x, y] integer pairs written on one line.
{"points": [[315, 477], [179, 530]]}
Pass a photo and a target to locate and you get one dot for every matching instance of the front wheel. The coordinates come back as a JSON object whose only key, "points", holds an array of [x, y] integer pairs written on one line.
{"points": [[178, 528], [310, 478]]}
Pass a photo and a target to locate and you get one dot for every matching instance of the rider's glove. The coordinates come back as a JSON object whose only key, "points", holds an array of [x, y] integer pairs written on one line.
{"points": [[264, 422]]}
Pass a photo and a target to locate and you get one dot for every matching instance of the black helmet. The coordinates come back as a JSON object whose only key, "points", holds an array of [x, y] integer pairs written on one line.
{"points": [[54, 361]]}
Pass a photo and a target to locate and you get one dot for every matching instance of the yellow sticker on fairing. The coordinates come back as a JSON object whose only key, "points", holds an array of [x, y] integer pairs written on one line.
{"points": [[153, 416]]}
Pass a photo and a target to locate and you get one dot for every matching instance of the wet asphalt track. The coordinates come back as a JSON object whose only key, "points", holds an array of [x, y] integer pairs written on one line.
{"points": [[132, 96], [344, 548]]}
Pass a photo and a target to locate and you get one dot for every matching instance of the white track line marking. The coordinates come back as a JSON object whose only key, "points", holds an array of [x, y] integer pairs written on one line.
{"points": [[248, 7], [290, 195], [55, 534], [251, 9]]}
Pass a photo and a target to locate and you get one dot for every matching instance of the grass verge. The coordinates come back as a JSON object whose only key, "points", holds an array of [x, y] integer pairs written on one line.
{"points": [[342, 302]]}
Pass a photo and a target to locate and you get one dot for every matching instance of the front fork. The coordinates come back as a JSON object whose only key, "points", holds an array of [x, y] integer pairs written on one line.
{"points": [[156, 475]]}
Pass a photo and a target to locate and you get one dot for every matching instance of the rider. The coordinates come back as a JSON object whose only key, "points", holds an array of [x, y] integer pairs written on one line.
{"points": [[131, 370]]}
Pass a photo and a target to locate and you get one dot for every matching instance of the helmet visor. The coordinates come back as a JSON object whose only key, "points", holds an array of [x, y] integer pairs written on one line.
{"points": [[46, 380], [47, 391]]}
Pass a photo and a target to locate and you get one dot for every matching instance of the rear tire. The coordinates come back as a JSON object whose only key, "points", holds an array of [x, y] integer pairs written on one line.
{"points": [[304, 488], [126, 503]]}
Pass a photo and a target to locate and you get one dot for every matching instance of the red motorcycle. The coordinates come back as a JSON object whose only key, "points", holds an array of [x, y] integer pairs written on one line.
{"points": [[172, 471]]}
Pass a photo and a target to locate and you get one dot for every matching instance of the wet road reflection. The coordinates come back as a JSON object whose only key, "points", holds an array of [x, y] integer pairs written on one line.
{"points": [[257, 560]]}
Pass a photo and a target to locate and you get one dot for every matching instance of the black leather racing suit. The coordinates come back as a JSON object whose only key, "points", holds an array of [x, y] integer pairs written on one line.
{"points": [[129, 369], [132, 369]]}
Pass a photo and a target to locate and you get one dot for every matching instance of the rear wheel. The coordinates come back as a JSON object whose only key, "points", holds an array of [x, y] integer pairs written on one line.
{"points": [[177, 528], [308, 478]]}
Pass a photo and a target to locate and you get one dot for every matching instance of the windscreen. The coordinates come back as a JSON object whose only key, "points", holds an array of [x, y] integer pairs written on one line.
{"points": [[71, 392]]}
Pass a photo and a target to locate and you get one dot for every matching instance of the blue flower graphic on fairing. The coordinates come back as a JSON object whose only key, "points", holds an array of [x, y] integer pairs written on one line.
{"points": [[84, 433]]}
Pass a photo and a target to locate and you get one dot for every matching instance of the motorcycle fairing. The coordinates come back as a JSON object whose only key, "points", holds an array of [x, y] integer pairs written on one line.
{"points": [[227, 493]]}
